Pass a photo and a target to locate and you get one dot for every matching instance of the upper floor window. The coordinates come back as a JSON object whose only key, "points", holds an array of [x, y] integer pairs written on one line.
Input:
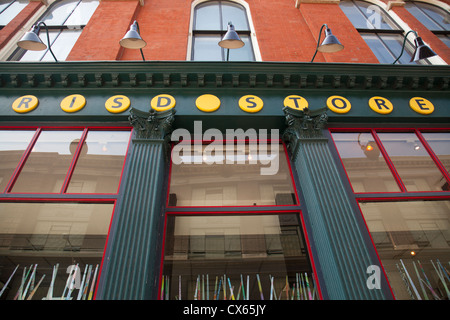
{"points": [[210, 21], [379, 31], [9, 10], [436, 19], [65, 21]]}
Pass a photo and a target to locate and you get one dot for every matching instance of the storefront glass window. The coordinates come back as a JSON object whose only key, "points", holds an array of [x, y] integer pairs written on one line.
{"points": [[50, 242], [236, 175], [241, 257], [48, 163], [413, 241], [13, 144], [364, 163], [62, 161], [440, 144], [412, 162], [99, 166]]}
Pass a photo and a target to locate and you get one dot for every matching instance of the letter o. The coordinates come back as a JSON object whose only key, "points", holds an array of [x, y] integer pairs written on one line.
{"points": [[338, 104]]}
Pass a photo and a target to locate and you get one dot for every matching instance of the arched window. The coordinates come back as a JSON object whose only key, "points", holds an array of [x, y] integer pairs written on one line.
{"points": [[378, 29], [436, 19], [209, 24], [65, 21]]}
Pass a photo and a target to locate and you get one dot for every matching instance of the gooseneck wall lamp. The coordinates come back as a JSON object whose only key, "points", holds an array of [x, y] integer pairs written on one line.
{"points": [[231, 40], [133, 40], [421, 51], [329, 44], [31, 40]]}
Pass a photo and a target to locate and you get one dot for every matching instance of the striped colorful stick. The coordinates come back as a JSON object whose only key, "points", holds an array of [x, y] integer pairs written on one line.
{"points": [[218, 290], [35, 288], [436, 297], [307, 285], [410, 281], [441, 277], [86, 285], [215, 288], [243, 288], [91, 292], [33, 274], [9, 279], [231, 289], [420, 282], [259, 286]]}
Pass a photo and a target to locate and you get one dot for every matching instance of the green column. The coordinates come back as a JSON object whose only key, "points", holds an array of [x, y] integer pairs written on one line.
{"points": [[342, 249], [132, 260]]}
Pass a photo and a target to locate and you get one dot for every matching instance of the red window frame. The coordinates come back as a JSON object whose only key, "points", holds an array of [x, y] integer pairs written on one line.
{"points": [[241, 210], [404, 194], [6, 196]]}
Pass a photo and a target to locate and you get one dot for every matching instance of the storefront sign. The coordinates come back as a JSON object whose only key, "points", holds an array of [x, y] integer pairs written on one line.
{"points": [[211, 103], [251, 103], [207, 103], [73, 103], [25, 104], [117, 104], [380, 105], [421, 105]]}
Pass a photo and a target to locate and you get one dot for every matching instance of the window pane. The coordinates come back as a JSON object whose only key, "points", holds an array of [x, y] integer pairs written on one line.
{"points": [[364, 163], [354, 15], [12, 11], [437, 14], [59, 13], [201, 250], [12, 146], [379, 19], [207, 16], [394, 42], [412, 161], [414, 235], [242, 54], [48, 163], [82, 13], [206, 48], [444, 38], [236, 14], [50, 235], [422, 17], [99, 167], [62, 45], [242, 175], [378, 48], [440, 143]]}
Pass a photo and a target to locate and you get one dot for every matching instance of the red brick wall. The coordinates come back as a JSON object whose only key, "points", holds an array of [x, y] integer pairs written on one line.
{"points": [[164, 25], [100, 38], [18, 22], [284, 33]]}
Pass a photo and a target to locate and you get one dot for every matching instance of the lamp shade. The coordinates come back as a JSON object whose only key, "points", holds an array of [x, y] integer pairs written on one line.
{"points": [[231, 39], [330, 43], [132, 39], [422, 51], [31, 41]]}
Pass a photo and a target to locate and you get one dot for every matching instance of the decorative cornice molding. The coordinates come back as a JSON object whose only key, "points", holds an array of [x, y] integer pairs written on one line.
{"points": [[191, 74]]}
